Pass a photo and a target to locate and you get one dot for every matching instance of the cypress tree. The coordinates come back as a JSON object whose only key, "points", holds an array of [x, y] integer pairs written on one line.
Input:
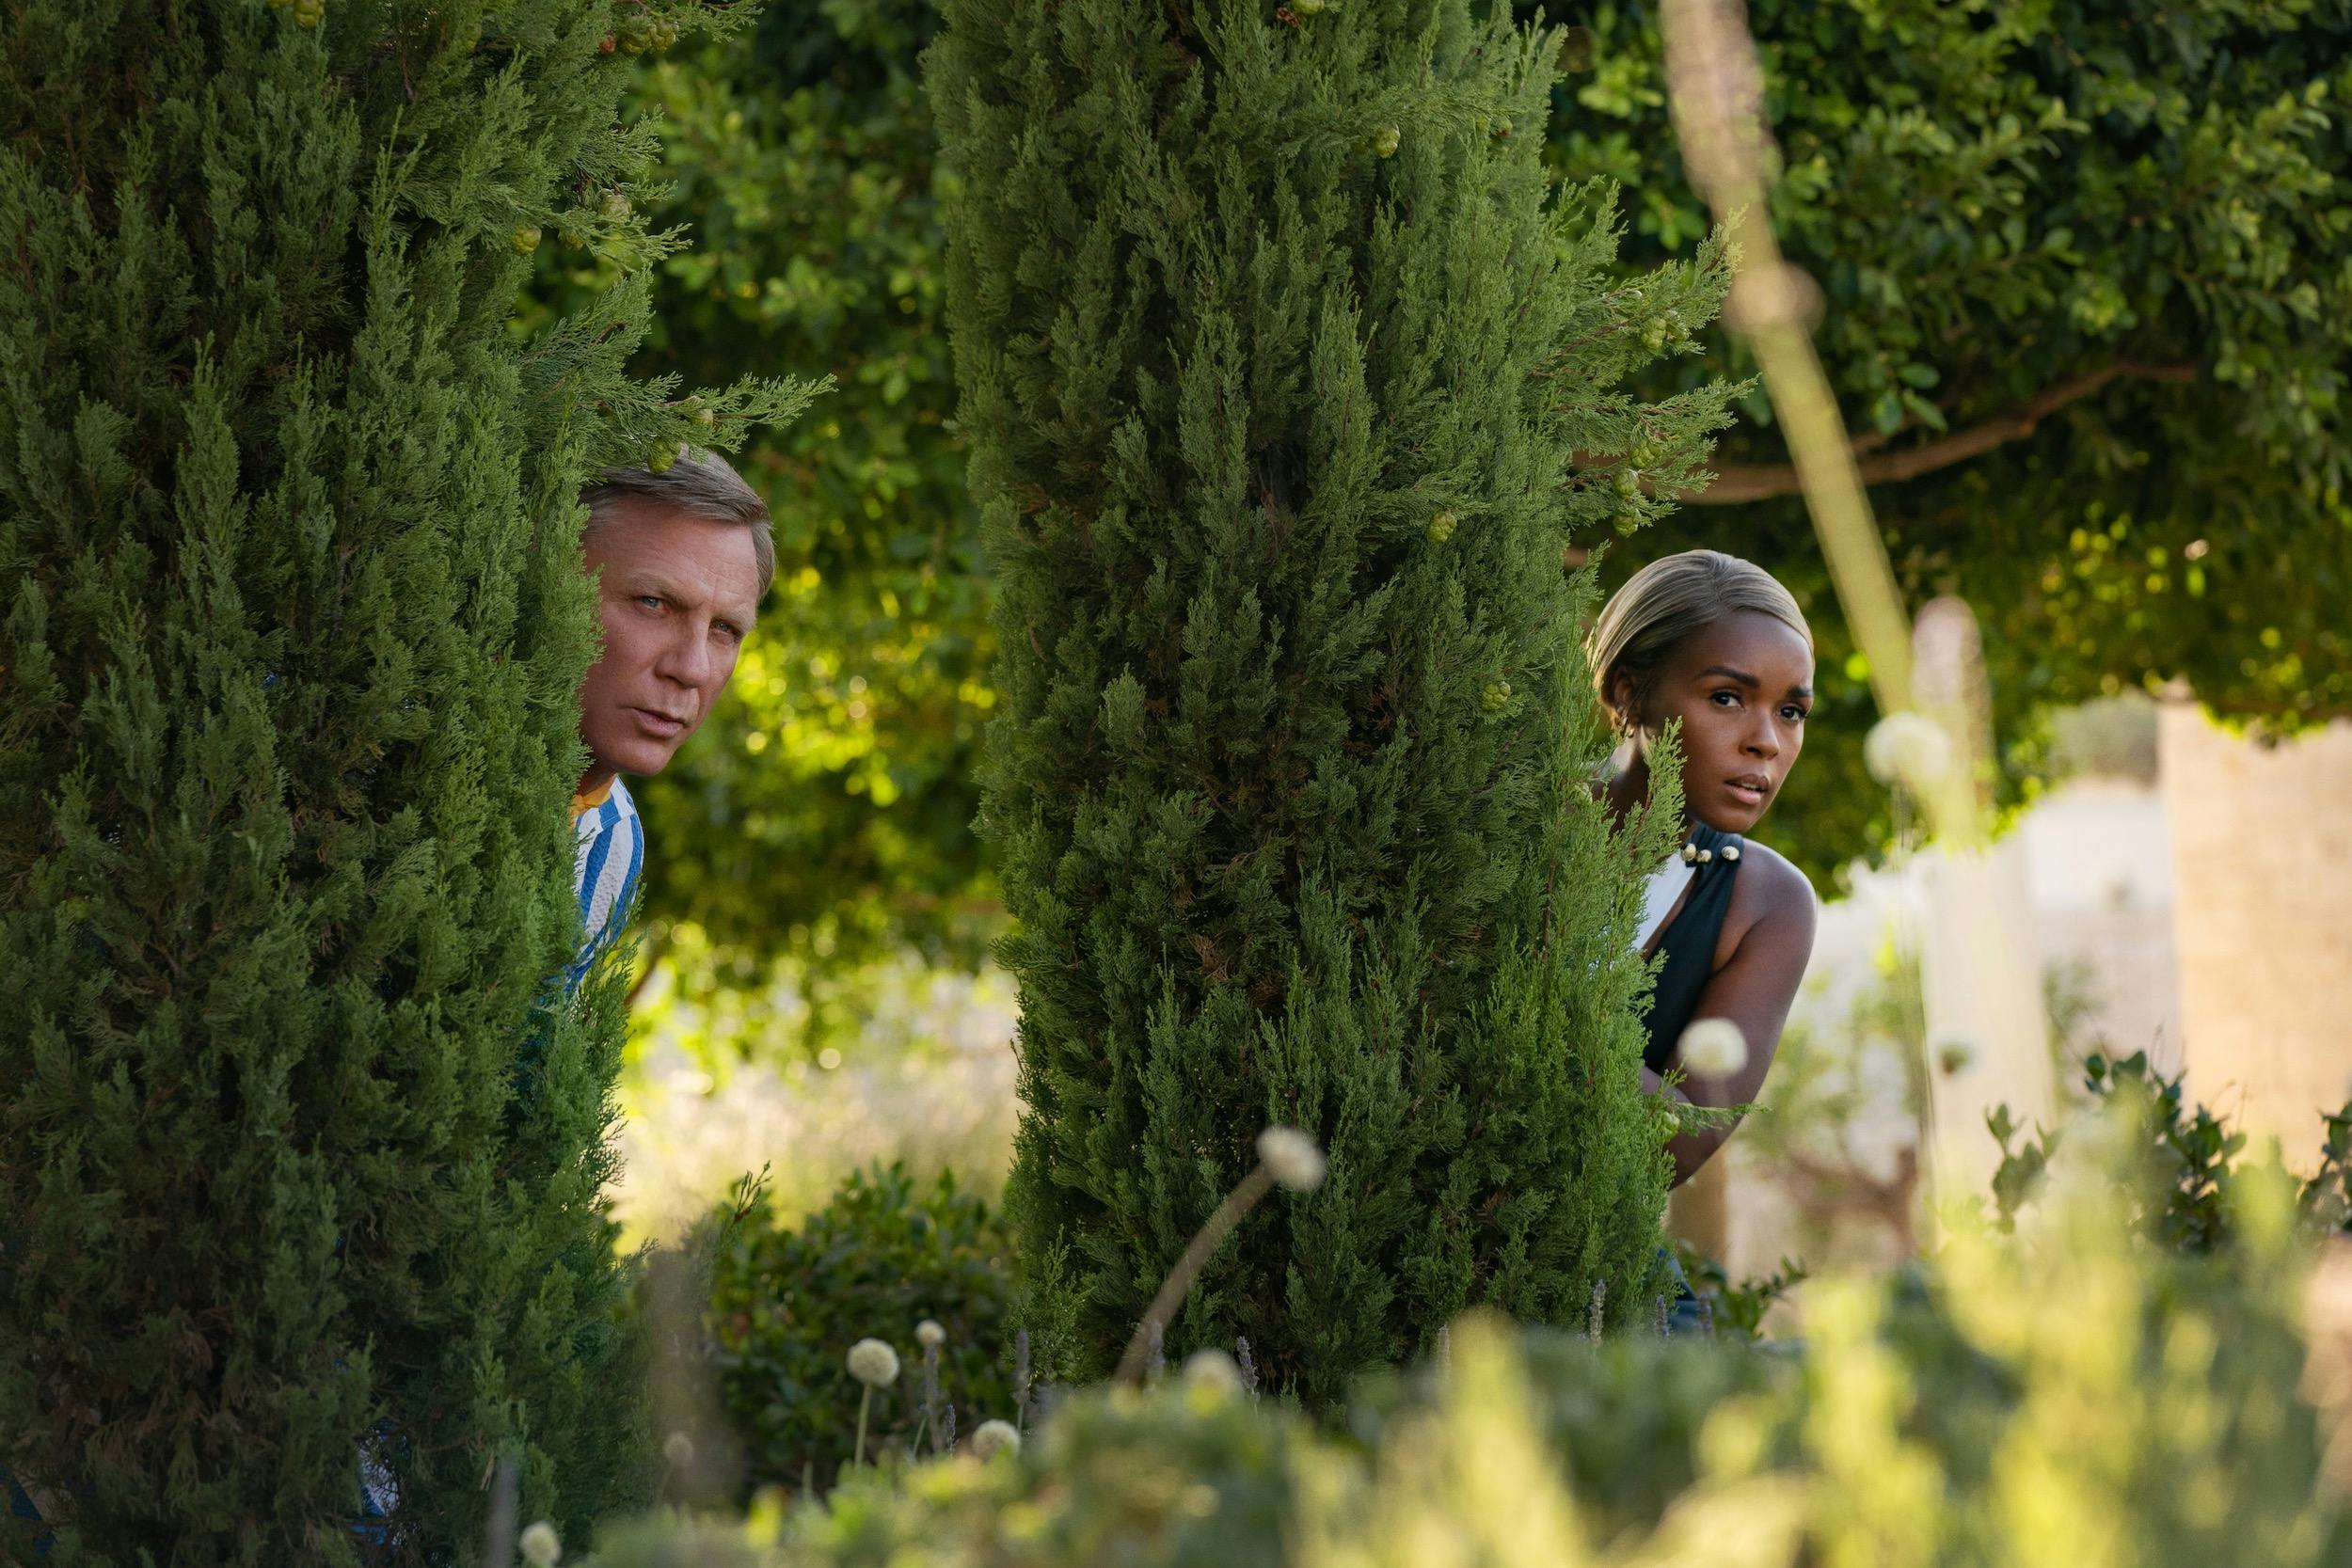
{"points": [[293, 629], [1288, 376]]}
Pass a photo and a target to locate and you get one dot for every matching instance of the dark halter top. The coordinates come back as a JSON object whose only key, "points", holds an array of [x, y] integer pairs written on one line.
{"points": [[1688, 945]]}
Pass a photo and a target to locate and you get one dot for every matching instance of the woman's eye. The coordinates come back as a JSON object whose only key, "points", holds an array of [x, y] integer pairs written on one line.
{"points": [[1720, 695], [1794, 714]]}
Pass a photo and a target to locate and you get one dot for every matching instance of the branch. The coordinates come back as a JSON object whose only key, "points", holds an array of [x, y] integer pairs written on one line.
{"points": [[1736, 482]]}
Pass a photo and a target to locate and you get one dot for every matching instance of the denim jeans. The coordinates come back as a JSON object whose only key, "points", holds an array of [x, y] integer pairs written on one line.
{"points": [[379, 1494], [1684, 1315], [21, 1506]]}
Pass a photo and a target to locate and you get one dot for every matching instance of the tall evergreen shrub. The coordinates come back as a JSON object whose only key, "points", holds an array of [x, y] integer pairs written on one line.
{"points": [[293, 629], [1288, 377]]}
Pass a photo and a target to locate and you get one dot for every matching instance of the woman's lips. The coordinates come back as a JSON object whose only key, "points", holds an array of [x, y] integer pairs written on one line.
{"points": [[659, 726], [1747, 795]]}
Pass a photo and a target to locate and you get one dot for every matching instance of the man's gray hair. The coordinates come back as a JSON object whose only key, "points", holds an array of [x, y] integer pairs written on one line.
{"points": [[699, 484]]}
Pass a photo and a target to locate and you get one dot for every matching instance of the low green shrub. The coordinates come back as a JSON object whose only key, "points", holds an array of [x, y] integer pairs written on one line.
{"points": [[1736, 1307], [2179, 1195], [1623, 1415], [682, 1540], [2059, 1393], [1627, 1416], [884, 1256], [1194, 1474]]}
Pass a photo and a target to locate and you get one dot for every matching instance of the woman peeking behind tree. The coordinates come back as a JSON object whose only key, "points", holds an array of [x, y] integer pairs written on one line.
{"points": [[1711, 641]]}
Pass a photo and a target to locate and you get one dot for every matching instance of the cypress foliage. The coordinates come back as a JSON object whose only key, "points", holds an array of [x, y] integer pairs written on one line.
{"points": [[1288, 376], [293, 629]]}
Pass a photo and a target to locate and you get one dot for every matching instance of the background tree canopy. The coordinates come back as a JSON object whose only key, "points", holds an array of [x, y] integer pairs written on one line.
{"points": [[826, 809], [2084, 303], [2083, 299]]}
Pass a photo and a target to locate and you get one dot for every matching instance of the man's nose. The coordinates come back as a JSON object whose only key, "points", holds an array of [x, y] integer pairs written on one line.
{"points": [[686, 658]]}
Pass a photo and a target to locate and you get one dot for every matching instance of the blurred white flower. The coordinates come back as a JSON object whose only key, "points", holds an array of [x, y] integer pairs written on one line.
{"points": [[1908, 749], [678, 1450], [993, 1436], [1292, 1157], [540, 1547], [1714, 1047], [873, 1363], [1212, 1371], [929, 1335]]}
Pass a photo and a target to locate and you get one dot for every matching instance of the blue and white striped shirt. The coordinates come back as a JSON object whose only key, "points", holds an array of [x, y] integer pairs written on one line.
{"points": [[611, 850]]}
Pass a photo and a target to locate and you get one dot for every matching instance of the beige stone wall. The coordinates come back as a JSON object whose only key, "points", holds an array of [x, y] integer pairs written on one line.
{"points": [[2262, 861], [2099, 867], [1980, 983]]}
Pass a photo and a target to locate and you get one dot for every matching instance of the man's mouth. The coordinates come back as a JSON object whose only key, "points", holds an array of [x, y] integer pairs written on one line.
{"points": [[661, 725]]}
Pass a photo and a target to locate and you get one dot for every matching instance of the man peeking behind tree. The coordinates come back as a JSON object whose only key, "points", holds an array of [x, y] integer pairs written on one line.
{"points": [[681, 559]]}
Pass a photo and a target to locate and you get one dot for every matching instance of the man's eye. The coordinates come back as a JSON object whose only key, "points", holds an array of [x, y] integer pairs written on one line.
{"points": [[732, 632], [651, 601]]}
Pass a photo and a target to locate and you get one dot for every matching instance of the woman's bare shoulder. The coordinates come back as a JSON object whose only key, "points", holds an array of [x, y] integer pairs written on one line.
{"points": [[1772, 877], [1770, 892]]}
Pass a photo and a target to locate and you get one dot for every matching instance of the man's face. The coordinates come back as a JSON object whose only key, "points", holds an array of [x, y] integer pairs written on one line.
{"points": [[677, 594]]}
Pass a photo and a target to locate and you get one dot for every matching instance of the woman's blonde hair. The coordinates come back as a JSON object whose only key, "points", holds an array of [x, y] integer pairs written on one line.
{"points": [[1668, 600]]}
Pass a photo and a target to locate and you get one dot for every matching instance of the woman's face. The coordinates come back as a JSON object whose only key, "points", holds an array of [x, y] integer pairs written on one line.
{"points": [[1742, 689]]}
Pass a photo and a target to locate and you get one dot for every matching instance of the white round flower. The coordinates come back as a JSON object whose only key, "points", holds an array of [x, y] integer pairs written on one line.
{"points": [[678, 1450], [993, 1436], [873, 1363], [1908, 749], [540, 1548], [1292, 1157], [929, 1335], [1212, 1371], [1713, 1048]]}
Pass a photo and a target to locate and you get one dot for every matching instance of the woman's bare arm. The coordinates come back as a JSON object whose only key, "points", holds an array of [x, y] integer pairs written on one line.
{"points": [[1753, 989]]}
